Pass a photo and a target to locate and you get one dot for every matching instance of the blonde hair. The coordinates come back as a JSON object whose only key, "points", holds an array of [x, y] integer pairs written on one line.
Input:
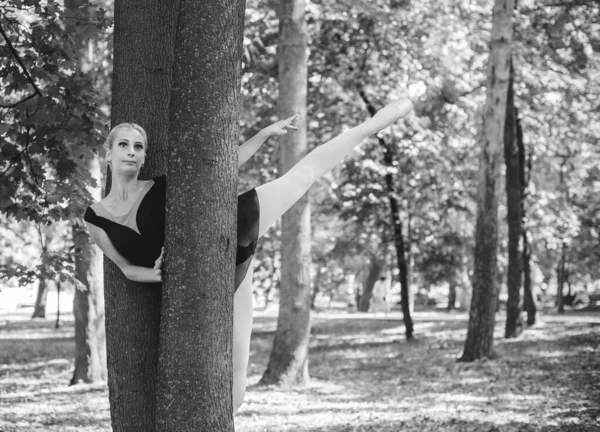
{"points": [[110, 139]]}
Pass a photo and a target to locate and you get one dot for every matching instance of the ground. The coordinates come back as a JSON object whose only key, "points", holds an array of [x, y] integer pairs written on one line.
{"points": [[365, 377]]}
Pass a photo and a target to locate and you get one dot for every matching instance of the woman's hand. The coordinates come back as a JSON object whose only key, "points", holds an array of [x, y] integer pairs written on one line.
{"points": [[281, 127], [158, 264]]}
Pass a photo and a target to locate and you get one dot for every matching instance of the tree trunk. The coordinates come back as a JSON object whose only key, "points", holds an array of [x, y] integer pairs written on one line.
{"points": [[399, 243], [529, 300], [560, 280], [88, 310], [194, 389], [465, 289], [288, 363], [514, 218], [142, 61], [39, 311], [58, 286], [315, 289], [525, 162], [88, 300], [451, 295], [375, 268], [480, 333], [388, 161]]}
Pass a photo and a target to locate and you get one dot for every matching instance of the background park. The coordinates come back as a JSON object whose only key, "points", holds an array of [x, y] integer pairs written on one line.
{"points": [[481, 208]]}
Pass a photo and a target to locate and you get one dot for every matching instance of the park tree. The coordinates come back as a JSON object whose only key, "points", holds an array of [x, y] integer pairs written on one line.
{"points": [[88, 300], [288, 362], [389, 162], [195, 369], [50, 125], [190, 116], [480, 334], [514, 190]]}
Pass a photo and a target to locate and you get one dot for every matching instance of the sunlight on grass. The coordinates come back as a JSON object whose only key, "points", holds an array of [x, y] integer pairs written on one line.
{"points": [[365, 377]]}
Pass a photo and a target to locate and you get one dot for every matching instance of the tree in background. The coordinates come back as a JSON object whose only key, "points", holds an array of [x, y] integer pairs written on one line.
{"points": [[88, 301], [194, 388], [288, 363], [50, 125], [480, 334], [513, 217]]}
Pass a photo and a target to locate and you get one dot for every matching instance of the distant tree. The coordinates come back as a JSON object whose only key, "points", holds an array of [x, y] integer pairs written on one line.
{"points": [[376, 266], [389, 162], [88, 300], [514, 218], [39, 307], [480, 334], [288, 362], [50, 125]]}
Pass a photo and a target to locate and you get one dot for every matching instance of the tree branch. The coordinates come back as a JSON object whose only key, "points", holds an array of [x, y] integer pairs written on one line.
{"points": [[31, 96], [16, 55]]}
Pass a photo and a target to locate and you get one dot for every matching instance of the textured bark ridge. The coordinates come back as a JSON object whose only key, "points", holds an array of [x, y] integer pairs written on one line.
{"points": [[480, 334], [194, 390], [288, 364], [513, 204], [143, 50]]}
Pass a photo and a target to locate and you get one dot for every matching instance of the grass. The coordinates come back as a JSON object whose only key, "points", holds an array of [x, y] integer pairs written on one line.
{"points": [[364, 377]]}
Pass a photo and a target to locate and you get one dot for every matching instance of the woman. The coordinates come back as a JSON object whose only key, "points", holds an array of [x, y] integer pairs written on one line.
{"points": [[128, 224]]}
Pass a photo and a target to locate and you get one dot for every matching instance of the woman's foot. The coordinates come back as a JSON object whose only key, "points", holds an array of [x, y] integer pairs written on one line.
{"points": [[387, 115]]}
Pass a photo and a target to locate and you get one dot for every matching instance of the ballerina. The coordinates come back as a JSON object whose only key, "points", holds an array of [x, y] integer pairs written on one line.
{"points": [[128, 224]]}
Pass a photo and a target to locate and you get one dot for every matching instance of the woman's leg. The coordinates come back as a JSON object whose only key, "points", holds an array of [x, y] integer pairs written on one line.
{"points": [[242, 328], [278, 196]]}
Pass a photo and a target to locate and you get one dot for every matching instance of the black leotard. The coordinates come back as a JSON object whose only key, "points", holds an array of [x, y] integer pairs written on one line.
{"points": [[140, 234]]}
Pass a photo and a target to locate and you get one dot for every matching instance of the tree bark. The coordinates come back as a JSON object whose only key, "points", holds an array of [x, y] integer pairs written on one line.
{"points": [[194, 390], [399, 243], [39, 310], [514, 218], [88, 300], [480, 333], [525, 162], [142, 62], [375, 268], [288, 362]]}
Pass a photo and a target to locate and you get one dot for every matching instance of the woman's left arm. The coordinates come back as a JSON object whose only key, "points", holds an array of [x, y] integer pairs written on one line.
{"points": [[247, 150]]}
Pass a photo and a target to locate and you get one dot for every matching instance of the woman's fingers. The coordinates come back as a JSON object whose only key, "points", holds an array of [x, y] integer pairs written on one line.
{"points": [[288, 122], [159, 260]]}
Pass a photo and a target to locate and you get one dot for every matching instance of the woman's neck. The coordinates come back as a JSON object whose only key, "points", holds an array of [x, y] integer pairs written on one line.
{"points": [[123, 186]]}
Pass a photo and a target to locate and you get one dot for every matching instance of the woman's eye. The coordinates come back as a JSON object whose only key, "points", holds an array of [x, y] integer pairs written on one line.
{"points": [[139, 147], [122, 143]]}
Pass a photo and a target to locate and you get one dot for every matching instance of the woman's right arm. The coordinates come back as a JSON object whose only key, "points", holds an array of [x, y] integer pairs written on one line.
{"points": [[131, 272]]}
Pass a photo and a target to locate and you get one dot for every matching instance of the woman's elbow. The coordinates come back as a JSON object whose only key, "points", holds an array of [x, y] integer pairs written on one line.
{"points": [[128, 272]]}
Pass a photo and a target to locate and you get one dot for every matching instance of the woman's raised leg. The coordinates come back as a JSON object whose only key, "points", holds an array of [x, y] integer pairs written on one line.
{"points": [[278, 196]]}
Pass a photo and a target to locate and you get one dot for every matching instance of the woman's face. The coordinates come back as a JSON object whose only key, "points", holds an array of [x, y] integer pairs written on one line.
{"points": [[128, 151]]}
